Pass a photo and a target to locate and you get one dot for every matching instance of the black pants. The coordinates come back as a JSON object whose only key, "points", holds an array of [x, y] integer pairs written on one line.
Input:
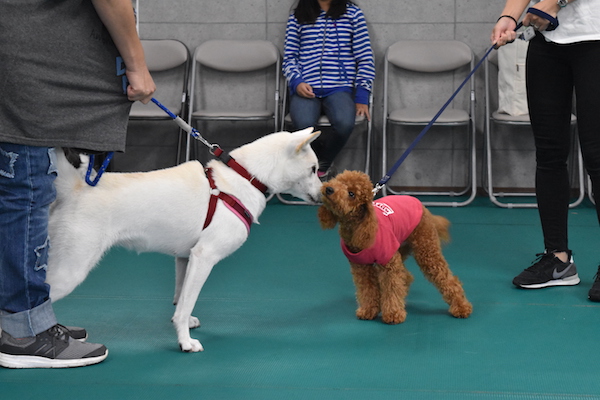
{"points": [[553, 72]]}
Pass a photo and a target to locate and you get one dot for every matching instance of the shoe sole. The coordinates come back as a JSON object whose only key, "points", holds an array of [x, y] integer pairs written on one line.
{"points": [[570, 281], [18, 362]]}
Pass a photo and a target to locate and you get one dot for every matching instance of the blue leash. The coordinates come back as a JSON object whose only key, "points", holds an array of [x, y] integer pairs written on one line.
{"points": [[185, 126], [383, 181], [182, 124], [88, 174]]}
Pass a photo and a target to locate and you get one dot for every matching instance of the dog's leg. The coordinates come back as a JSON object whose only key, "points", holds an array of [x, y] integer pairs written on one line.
{"points": [[427, 250], [203, 258], [394, 282], [180, 270], [69, 264], [367, 290]]}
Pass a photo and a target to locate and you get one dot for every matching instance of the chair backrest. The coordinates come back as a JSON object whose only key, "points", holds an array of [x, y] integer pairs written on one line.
{"points": [[162, 55], [168, 61], [429, 56], [237, 55], [232, 77], [426, 71]]}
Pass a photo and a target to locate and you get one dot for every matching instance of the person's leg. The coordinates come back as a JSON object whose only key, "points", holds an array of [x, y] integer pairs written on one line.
{"points": [[26, 191], [585, 58], [550, 92], [304, 112], [341, 112], [30, 336]]}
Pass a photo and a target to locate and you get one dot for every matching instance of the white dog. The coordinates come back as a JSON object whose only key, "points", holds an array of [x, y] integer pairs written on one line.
{"points": [[165, 211]]}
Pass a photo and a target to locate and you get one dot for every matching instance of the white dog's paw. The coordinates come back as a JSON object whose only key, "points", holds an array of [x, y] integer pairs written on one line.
{"points": [[191, 346], [194, 322]]}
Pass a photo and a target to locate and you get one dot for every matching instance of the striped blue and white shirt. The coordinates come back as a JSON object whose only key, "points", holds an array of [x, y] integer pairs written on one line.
{"points": [[330, 55]]}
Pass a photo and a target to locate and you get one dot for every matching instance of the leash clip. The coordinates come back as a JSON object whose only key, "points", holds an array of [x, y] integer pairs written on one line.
{"points": [[377, 188]]}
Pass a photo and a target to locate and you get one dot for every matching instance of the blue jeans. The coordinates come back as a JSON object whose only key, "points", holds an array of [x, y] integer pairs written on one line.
{"points": [[26, 190], [339, 108]]}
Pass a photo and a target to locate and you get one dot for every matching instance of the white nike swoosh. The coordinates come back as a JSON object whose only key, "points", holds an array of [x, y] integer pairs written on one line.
{"points": [[558, 275]]}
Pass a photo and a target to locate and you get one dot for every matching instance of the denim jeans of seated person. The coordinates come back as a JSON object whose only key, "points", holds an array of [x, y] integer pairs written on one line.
{"points": [[339, 108]]}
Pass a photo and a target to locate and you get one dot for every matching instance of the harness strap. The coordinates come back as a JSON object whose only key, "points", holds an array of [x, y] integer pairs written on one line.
{"points": [[231, 202], [233, 164]]}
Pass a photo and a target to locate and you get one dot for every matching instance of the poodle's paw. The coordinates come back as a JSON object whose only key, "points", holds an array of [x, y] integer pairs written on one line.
{"points": [[367, 313], [191, 346], [194, 322], [394, 317], [461, 309]]}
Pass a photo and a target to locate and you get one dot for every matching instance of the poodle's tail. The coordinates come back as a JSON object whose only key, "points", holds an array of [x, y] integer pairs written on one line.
{"points": [[442, 225]]}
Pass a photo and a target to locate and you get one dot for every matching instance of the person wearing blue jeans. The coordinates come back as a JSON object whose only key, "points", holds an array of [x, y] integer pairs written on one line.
{"points": [[60, 87], [329, 65], [340, 109], [27, 191]]}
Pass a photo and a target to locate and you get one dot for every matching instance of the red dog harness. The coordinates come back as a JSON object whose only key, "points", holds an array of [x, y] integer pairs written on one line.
{"points": [[230, 202]]}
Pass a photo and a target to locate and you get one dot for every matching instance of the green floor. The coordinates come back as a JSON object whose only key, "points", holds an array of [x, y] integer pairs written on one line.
{"points": [[278, 322]]}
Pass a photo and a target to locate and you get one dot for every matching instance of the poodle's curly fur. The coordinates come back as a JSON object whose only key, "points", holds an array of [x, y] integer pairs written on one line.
{"points": [[348, 200]]}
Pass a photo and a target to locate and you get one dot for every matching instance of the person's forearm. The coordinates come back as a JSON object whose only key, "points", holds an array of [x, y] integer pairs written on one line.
{"points": [[515, 8], [119, 19]]}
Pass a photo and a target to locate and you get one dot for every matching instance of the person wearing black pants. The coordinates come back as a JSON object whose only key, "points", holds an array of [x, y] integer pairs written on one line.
{"points": [[559, 62]]}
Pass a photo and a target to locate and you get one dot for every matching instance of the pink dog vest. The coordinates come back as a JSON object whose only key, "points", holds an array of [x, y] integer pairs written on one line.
{"points": [[397, 216]]}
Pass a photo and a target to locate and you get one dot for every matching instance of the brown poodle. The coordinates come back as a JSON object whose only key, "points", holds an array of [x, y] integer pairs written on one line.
{"points": [[377, 236]]}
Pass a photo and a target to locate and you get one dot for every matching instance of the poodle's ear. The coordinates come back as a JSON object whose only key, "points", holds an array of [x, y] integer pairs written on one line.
{"points": [[326, 218]]}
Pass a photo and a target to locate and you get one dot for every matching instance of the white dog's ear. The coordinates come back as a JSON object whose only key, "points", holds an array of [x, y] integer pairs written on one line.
{"points": [[307, 140]]}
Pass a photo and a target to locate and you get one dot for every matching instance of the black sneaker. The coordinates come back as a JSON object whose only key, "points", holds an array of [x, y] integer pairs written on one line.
{"points": [[594, 293], [53, 348], [547, 270]]}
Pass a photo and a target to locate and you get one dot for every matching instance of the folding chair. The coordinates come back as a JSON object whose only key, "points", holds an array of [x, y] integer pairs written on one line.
{"points": [[324, 122], [514, 123], [234, 80], [168, 61], [428, 72]]}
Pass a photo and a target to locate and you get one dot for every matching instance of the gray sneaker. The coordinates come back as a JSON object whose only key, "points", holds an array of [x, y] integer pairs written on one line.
{"points": [[54, 348], [76, 332]]}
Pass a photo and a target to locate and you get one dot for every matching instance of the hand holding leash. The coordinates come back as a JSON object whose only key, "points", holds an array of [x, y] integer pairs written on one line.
{"points": [[540, 20]]}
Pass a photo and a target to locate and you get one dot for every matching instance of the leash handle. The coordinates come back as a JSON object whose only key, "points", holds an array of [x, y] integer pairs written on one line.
{"points": [[553, 21]]}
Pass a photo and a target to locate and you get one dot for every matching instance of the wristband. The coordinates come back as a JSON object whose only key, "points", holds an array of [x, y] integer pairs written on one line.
{"points": [[508, 16]]}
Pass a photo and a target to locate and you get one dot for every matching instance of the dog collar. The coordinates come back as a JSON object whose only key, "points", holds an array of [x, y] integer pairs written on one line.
{"points": [[230, 202], [233, 164]]}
